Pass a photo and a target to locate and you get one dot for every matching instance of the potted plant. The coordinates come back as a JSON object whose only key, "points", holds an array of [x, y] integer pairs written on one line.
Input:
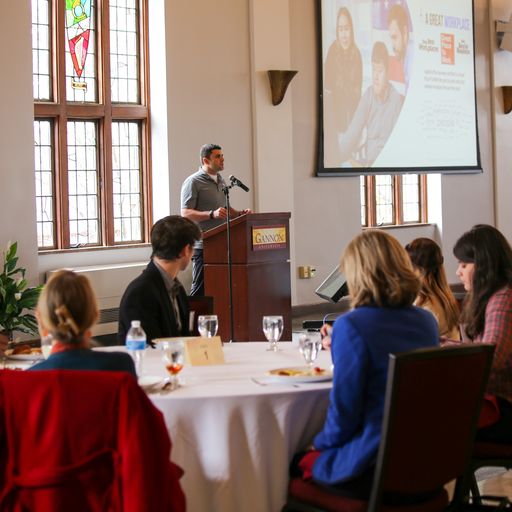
{"points": [[17, 301]]}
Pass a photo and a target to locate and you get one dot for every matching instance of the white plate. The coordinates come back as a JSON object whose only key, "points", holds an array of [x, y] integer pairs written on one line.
{"points": [[299, 374], [150, 382], [25, 357]]}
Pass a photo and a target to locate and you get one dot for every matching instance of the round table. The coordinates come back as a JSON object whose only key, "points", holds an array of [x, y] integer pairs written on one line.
{"points": [[235, 437]]}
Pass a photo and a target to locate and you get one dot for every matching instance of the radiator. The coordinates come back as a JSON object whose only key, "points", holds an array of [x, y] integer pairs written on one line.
{"points": [[109, 283]]}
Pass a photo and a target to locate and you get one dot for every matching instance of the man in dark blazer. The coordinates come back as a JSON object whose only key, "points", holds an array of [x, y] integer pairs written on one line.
{"points": [[156, 297]]}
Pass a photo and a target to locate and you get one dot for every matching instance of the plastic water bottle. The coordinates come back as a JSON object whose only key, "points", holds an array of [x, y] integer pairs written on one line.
{"points": [[136, 345]]}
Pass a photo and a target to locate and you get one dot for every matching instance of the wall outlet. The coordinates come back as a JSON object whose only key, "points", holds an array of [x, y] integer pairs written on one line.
{"points": [[306, 271]]}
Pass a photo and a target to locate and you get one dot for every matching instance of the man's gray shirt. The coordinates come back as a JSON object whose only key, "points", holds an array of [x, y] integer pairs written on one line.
{"points": [[200, 192]]}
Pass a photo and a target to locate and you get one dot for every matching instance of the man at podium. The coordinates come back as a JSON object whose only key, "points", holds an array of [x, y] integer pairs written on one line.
{"points": [[202, 200]]}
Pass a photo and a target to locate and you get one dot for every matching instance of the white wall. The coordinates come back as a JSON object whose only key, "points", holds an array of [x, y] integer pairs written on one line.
{"points": [[17, 190], [214, 89]]}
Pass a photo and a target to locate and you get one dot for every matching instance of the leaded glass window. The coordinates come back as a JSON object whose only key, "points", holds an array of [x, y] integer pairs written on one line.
{"points": [[393, 200], [44, 183], [91, 126]]}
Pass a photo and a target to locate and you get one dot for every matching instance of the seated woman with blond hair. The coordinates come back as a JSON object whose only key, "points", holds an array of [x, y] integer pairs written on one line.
{"points": [[435, 294], [383, 321], [67, 311]]}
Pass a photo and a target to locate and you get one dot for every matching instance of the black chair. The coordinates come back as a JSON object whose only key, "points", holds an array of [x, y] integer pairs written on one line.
{"points": [[433, 401], [200, 305]]}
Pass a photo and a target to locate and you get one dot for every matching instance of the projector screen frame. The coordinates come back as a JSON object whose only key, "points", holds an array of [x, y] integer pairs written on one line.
{"points": [[323, 171]]}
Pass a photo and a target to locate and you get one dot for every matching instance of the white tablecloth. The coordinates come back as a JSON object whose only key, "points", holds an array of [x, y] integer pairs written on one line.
{"points": [[235, 438]]}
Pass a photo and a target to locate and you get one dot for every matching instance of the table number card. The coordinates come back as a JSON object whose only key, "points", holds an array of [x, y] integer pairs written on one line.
{"points": [[204, 351]]}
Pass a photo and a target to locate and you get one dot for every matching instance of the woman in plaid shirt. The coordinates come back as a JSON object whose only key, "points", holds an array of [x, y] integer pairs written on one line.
{"points": [[485, 270]]}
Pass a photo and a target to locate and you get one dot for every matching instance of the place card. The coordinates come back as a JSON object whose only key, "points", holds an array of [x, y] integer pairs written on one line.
{"points": [[204, 351]]}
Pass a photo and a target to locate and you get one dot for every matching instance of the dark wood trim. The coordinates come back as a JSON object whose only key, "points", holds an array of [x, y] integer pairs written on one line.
{"points": [[397, 206], [423, 198], [59, 110]]}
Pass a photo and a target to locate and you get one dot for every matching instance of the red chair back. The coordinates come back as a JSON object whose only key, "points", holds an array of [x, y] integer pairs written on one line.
{"points": [[83, 441]]}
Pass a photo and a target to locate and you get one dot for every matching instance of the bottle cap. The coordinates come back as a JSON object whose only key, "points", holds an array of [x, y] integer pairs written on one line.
{"points": [[135, 323]]}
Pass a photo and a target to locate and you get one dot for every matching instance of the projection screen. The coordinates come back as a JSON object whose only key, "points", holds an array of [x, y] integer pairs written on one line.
{"points": [[397, 91]]}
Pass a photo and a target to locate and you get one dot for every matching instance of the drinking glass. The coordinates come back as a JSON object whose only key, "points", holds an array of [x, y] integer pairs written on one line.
{"points": [[47, 343], [207, 325], [173, 355], [310, 345], [273, 328]]}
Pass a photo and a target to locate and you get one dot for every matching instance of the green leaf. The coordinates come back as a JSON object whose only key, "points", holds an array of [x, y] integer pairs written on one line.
{"points": [[11, 251], [11, 266]]}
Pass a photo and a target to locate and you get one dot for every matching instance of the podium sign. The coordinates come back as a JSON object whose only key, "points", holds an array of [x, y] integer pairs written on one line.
{"points": [[260, 254]]}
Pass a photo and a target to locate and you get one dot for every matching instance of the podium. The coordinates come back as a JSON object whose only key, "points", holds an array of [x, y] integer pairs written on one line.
{"points": [[260, 256]]}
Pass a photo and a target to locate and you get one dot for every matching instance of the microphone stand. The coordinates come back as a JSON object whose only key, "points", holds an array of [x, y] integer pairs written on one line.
{"points": [[230, 269]]}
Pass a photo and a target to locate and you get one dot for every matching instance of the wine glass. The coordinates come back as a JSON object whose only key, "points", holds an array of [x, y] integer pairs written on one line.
{"points": [[207, 325], [310, 345], [273, 328], [47, 343], [173, 355]]}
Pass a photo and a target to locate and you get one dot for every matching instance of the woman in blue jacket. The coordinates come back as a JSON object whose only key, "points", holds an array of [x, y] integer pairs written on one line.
{"points": [[383, 321]]}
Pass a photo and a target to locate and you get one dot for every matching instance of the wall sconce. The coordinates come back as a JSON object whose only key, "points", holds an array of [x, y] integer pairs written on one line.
{"points": [[279, 81], [504, 34], [506, 91]]}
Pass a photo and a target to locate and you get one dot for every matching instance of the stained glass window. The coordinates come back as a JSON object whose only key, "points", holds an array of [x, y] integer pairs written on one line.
{"points": [[81, 82], [44, 183], [41, 50], [91, 140]]}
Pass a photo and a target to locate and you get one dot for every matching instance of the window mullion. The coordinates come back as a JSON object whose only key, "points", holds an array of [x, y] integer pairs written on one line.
{"points": [[397, 200], [106, 189], [371, 199], [423, 198]]}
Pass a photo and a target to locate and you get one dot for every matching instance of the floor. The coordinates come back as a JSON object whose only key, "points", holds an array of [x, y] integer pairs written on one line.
{"points": [[495, 482]]}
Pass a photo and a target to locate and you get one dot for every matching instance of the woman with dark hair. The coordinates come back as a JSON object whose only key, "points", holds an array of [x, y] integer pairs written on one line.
{"points": [[343, 78], [485, 270], [435, 293]]}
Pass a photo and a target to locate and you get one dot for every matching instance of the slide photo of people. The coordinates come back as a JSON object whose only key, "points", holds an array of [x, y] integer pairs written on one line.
{"points": [[397, 86], [365, 77]]}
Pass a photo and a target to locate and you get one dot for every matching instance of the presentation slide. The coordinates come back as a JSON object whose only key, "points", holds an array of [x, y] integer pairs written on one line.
{"points": [[398, 86]]}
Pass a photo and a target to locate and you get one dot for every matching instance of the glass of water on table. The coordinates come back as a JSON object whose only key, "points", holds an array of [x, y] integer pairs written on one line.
{"points": [[310, 345]]}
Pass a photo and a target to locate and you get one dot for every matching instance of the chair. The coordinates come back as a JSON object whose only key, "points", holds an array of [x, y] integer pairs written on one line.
{"points": [[433, 400], [83, 441], [200, 305]]}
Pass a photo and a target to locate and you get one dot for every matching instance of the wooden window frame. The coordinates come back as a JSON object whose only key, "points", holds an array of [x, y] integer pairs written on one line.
{"points": [[104, 112], [397, 220]]}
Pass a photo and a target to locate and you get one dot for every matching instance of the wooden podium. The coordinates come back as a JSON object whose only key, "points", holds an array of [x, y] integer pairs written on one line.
{"points": [[260, 255]]}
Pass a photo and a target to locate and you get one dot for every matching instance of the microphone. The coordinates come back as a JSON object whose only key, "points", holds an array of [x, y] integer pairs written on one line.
{"points": [[238, 183]]}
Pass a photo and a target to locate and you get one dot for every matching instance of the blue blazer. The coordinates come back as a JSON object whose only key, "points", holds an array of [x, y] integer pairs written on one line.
{"points": [[361, 343], [86, 359]]}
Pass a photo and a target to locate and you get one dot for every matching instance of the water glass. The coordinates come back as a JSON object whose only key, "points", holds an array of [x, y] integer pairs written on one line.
{"points": [[273, 328], [207, 325], [173, 355], [310, 345], [47, 343]]}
